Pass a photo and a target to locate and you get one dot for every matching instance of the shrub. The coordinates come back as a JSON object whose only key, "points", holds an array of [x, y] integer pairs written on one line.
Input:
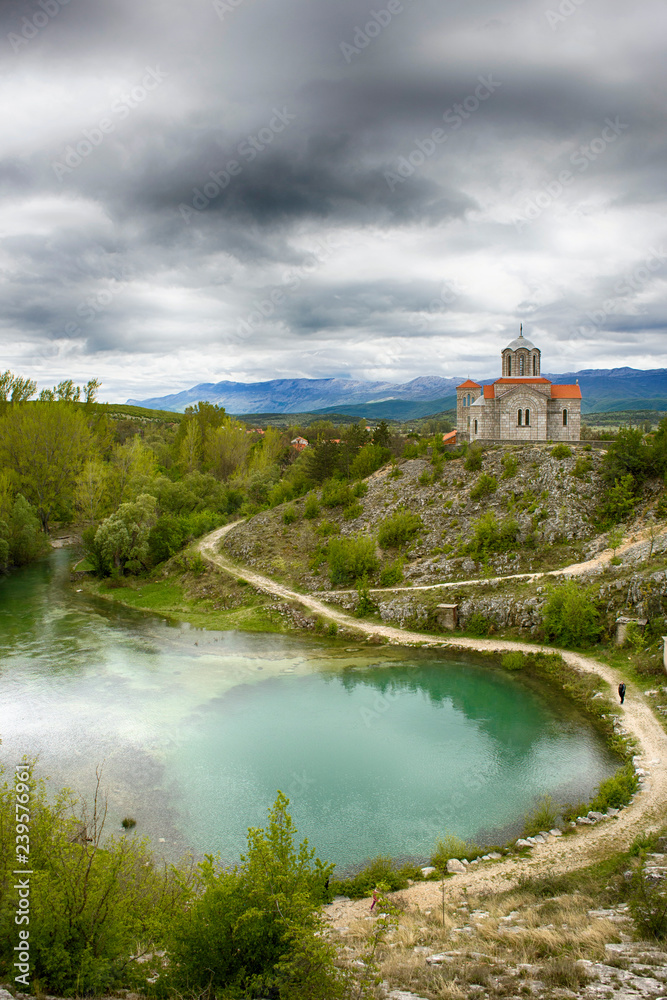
{"points": [[473, 462], [290, 515], [380, 870], [490, 535], [648, 903], [570, 617], [365, 604], [336, 493], [391, 573], [449, 847], [311, 508], [353, 511], [582, 466], [399, 528], [619, 501], [561, 451], [368, 460], [350, 558], [543, 817], [484, 486], [326, 528], [510, 464], [478, 625], [513, 661], [617, 790], [257, 924]]}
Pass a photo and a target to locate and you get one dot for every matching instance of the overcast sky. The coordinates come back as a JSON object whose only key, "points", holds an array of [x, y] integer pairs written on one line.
{"points": [[198, 190]]}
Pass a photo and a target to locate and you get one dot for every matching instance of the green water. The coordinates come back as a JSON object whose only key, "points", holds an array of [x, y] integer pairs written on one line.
{"points": [[380, 751]]}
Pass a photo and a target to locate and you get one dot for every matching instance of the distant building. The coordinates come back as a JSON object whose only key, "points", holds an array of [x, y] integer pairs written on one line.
{"points": [[519, 406], [299, 443]]}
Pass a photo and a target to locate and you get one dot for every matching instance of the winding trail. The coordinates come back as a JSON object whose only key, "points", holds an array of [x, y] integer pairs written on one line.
{"points": [[588, 844]]}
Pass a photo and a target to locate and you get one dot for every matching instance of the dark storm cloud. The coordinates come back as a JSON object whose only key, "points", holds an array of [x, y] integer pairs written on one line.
{"points": [[427, 142]]}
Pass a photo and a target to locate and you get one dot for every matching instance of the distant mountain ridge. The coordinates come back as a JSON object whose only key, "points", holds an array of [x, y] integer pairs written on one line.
{"points": [[603, 390]]}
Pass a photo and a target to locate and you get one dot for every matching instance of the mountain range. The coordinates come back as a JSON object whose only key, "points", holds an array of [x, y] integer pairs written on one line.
{"points": [[603, 390]]}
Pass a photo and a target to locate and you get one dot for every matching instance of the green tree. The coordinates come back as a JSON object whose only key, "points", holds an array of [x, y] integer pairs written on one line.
{"points": [[368, 460], [382, 435], [618, 503], [92, 489], [45, 446], [122, 539], [351, 558], [255, 930], [22, 534], [570, 617], [227, 449]]}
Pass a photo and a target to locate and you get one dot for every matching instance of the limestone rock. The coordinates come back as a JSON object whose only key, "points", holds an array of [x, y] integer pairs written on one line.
{"points": [[455, 867], [428, 871]]}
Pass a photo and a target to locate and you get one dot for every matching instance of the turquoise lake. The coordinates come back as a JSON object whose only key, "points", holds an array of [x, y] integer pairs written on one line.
{"points": [[380, 750]]}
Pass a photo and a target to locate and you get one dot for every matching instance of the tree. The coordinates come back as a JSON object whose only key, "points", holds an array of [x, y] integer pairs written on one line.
{"points": [[618, 503], [45, 445], [23, 535], [227, 448], [255, 930], [382, 434], [570, 616], [133, 464], [14, 388], [122, 539], [92, 489]]}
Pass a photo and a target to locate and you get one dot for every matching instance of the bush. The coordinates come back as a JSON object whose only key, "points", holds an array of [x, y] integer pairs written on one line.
{"points": [[254, 930], [618, 503], [368, 460], [484, 486], [290, 515], [648, 903], [399, 528], [543, 817], [22, 540], [365, 604], [617, 790], [336, 493], [561, 451], [353, 511], [513, 661], [311, 508], [391, 573], [570, 617], [350, 558], [478, 625], [510, 464], [380, 869], [491, 535], [449, 847], [582, 466], [473, 462]]}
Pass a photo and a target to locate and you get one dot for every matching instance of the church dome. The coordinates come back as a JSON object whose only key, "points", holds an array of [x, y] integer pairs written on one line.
{"points": [[520, 342]]}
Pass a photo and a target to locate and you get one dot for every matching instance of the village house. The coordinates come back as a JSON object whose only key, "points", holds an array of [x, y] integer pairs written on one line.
{"points": [[519, 406]]}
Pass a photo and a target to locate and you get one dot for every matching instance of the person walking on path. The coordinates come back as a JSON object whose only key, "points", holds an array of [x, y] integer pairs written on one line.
{"points": [[621, 692]]}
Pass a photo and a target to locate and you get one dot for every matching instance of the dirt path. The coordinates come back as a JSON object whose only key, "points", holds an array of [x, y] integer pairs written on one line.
{"points": [[648, 811]]}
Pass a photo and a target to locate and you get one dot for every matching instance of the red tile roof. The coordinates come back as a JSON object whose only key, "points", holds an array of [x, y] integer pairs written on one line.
{"points": [[565, 392], [469, 384], [449, 438], [489, 392], [522, 380]]}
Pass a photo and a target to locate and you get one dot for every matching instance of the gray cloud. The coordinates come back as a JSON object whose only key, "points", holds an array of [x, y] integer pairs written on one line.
{"points": [[169, 167]]}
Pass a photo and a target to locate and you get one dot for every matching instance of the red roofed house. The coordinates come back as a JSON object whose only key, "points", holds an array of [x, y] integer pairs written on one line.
{"points": [[521, 405]]}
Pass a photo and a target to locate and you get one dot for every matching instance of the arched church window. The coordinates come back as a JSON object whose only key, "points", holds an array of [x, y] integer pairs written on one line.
{"points": [[475, 427], [521, 365], [519, 418], [564, 418], [534, 364], [509, 366], [527, 418]]}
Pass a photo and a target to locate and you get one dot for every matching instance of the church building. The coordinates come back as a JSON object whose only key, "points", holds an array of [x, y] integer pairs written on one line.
{"points": [[519, 406]]}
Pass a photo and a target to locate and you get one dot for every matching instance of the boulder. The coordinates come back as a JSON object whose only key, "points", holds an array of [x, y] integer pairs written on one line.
{"points": [[455, 867], [428, 871]]}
